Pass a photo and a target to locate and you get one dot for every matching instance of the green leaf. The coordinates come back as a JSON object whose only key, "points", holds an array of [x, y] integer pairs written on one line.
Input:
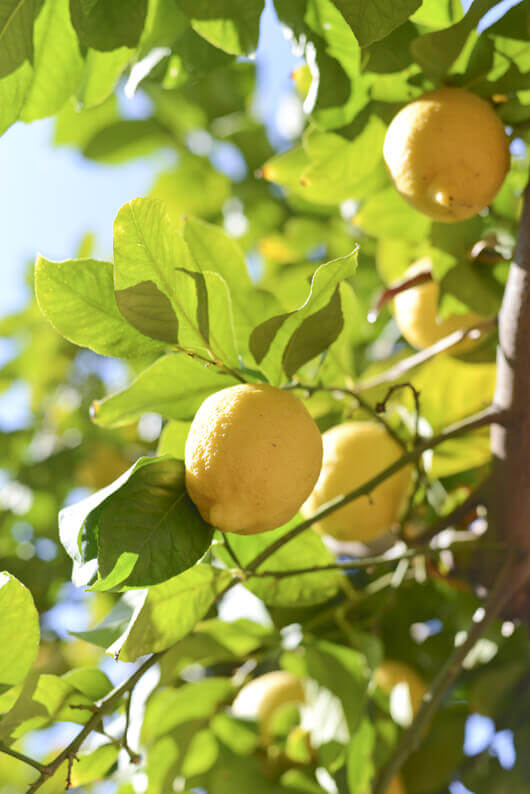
{"points": [[470, 451], [148, 530], [194, 187], [101, 73], [169, 708], [77, 298], [373, 21], [76, 127], [108, 24], [150, 311], [94, 766], [344, 672], [174, 386], [16, 33], [13, 91], [441, 752], [436, 51], [386, 214], [359, 761], [213, 249], [305, 551], [58, 64], [231, 25], [126, 140], [170, 611], [113, 626], [475, 287], [172, 439], [289, 340], [147, 248], [91, 681], [19, 630]]}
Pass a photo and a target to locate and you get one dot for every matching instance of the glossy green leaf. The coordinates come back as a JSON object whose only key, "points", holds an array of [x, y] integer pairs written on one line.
{"points": [[153, 261], [148, 530], [359, 763], [173, 437], [77, 298], [386, 214], [19, 629], [113, 625], [373, 21], [289, 340], [101, 72], [16, 33], [170, 611], [58, 63], [193, 187], [174, 386], [108, 24], [232, 25], [91, 681], [13, 91], [75, 126], [305, 551]]}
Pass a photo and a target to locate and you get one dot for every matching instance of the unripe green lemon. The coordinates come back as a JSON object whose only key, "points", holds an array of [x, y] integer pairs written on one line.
{"points": [[354, 452], [416, 310], [447, 153], [253, 454]]}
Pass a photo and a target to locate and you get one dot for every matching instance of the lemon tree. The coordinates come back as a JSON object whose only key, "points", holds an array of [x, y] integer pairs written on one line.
{"points": [[265, 526]]}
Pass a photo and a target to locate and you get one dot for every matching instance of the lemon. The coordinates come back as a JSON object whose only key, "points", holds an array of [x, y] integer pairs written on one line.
{"points": [[354, 452], [262, 697], [396, 786], [397, 679], [447, 153], [252, 456], [416, 310]]}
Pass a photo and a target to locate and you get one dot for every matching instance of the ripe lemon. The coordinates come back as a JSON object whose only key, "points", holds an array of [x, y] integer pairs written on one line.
{"points": [[262, 697], [252, 456], [447, 153], [416, 310], [398, 679], [354, 452]]}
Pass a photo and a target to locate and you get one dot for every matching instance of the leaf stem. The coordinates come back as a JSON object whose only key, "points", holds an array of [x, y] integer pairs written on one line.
{"points": [[486, 417], [509, 580]]}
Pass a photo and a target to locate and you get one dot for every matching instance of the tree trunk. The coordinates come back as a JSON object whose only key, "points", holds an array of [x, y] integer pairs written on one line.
{"points": [[510, 497]]}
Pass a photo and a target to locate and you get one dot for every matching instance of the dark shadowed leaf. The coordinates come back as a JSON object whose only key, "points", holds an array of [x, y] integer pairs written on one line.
{"points": [[148, 530], [146, 308], [108, 24], [359, 764], [232, 25], [373, 21], [16, 33]]}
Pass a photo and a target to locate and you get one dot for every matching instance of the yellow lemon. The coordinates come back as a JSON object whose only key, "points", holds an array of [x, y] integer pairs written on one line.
{"points": [[416, 310], [252, 456], [396, 786], [447, 153], [354, 452], [398, 679], [262, 697]]}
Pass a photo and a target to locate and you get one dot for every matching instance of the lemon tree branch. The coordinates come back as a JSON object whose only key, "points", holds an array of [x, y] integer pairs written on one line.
{"points": [[487, 417], [509, 581]]}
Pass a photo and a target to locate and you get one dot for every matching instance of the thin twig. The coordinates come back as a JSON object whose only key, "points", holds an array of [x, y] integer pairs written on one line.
{"points": [[71, 758], [105, 705], [231, 551], [487, 417], [372, 562], [508, 582], [134, 758], [362, 403], [411, 362], [21, 757]]}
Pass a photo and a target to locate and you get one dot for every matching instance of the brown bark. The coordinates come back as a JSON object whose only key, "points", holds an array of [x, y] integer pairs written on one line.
{"points": [[510, 497]]}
